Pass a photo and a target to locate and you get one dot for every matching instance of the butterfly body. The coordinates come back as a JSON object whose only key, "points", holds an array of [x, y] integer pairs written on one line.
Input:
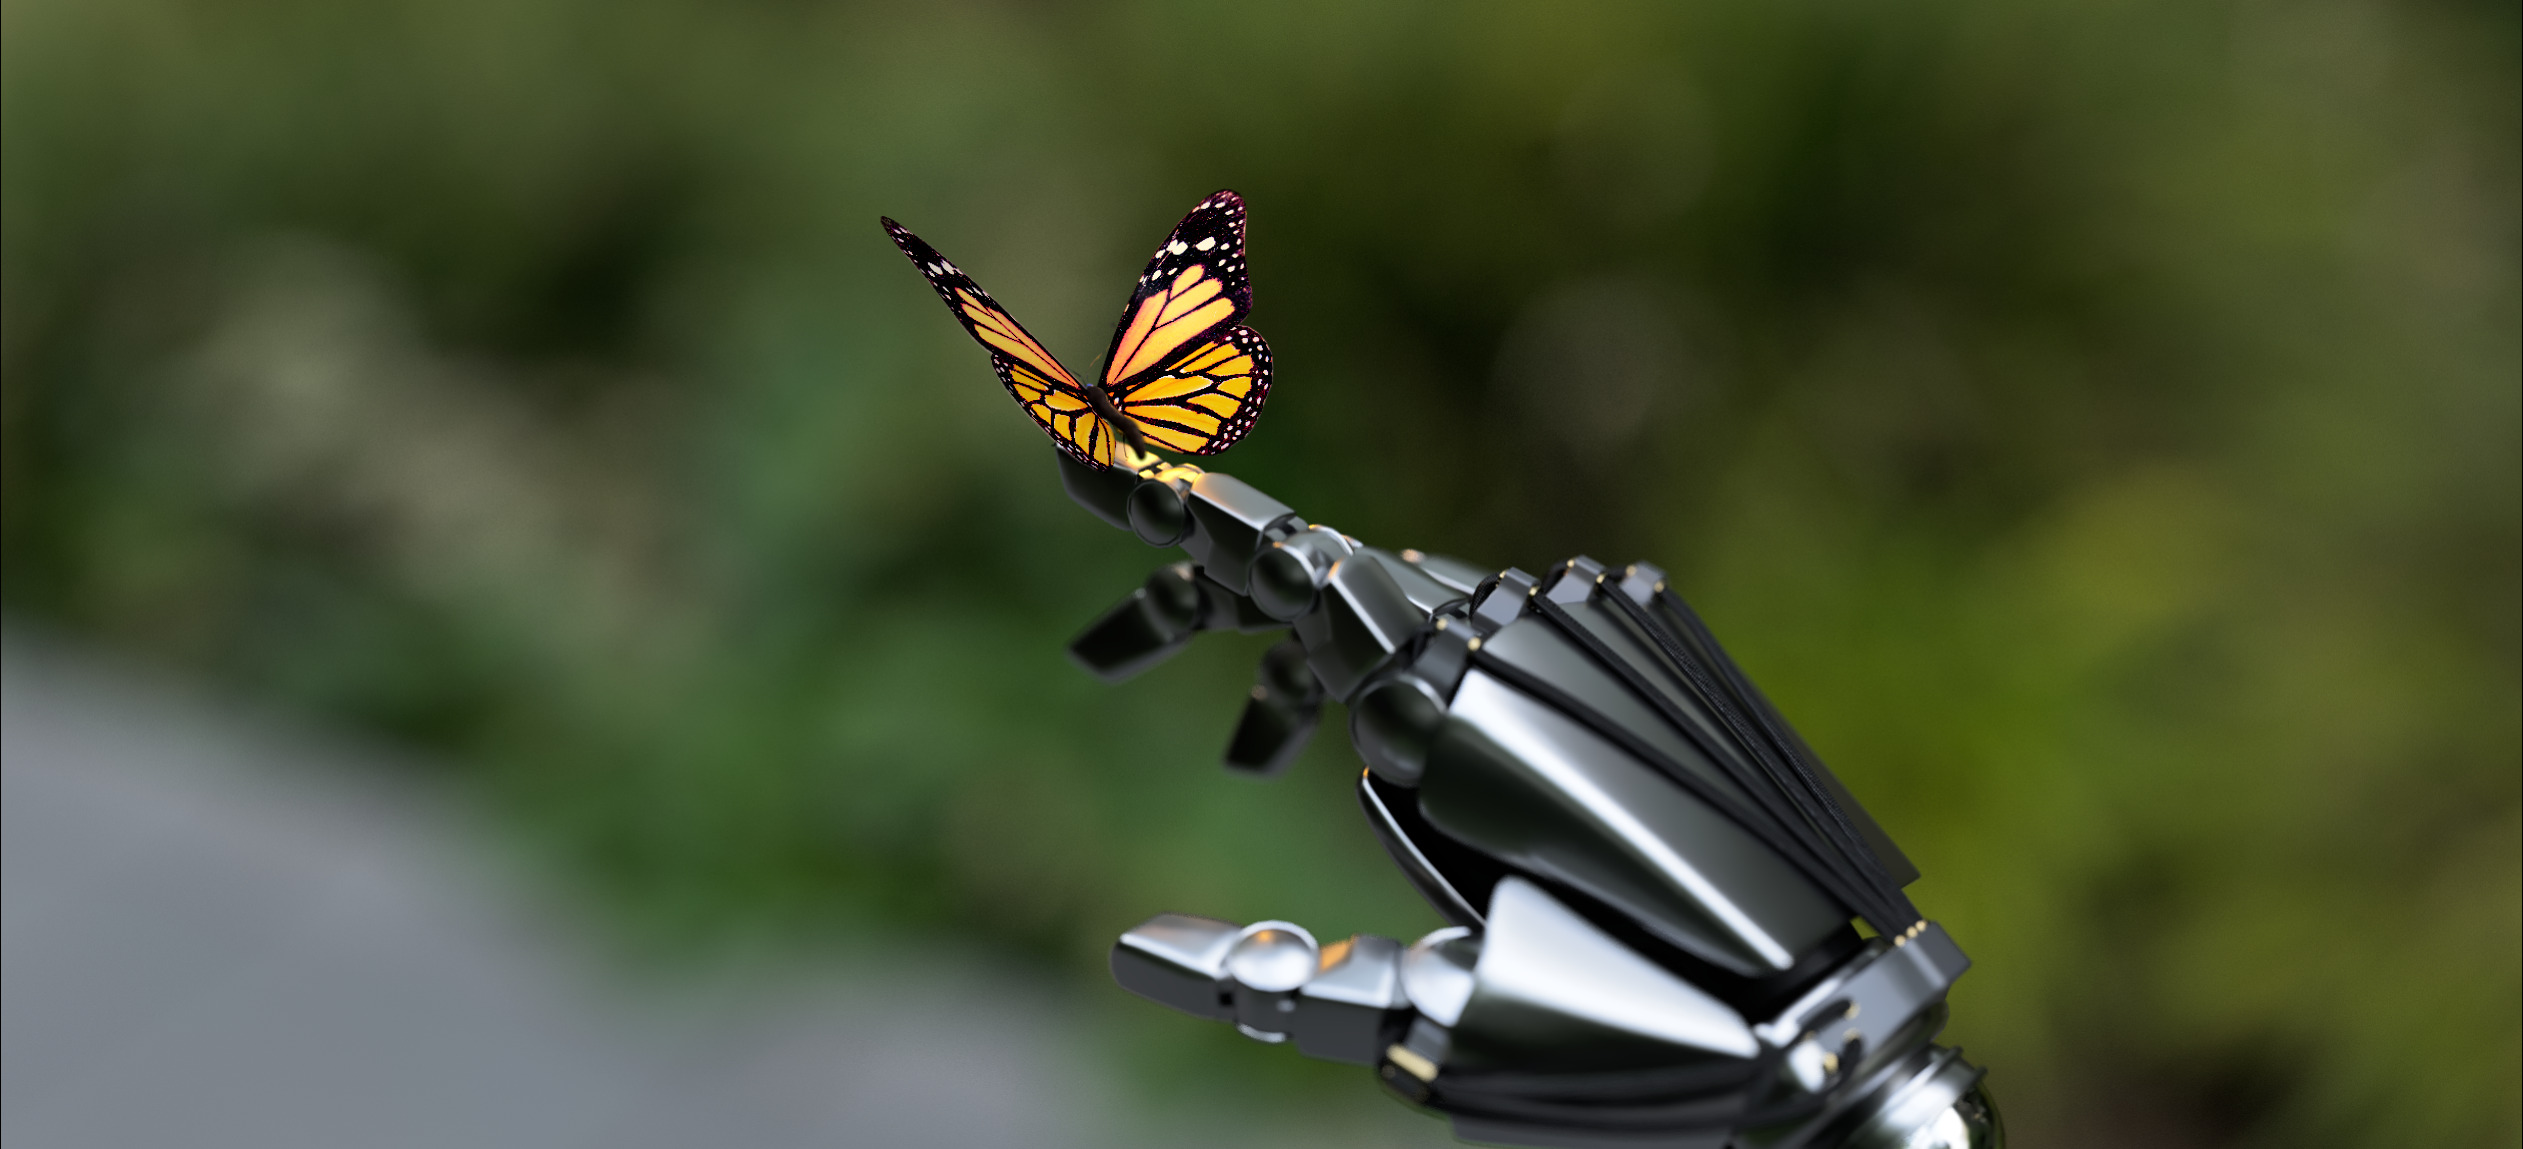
{"points": [[1182, 373]]}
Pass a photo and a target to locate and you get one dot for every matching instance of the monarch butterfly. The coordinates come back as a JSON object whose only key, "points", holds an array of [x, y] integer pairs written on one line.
{"points": [[1182, 374]]}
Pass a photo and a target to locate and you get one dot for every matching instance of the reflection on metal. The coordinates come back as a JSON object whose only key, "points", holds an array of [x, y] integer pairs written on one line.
{"points": [[1609, 823], [1551, 988], [1231, 523], [1424, 588], [1264, 967], [1521, 780], [1349, 1008], [1343, 1002], [1406, 852], [1933, 1100], [1178, 960], [1437, 973], [1362, 620]]}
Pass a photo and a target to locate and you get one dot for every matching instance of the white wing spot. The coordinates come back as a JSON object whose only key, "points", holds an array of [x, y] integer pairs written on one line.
{"points": [[1177, 247], [1208, 243]]}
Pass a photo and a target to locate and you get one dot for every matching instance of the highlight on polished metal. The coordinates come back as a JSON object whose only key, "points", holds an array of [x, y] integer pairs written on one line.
{"points": [[1671, 925]]}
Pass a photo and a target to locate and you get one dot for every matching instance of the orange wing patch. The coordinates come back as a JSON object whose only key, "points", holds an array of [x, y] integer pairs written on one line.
{"points": [[1062, 411], [1183, 374], [1043, 387], [1166, 320], [1205, 399], [1049, 394], [998, 331]]}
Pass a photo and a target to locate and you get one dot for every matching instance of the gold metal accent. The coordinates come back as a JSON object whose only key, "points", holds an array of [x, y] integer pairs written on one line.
{"points": [[1410, 1062], [1475, 644], [1412, 555]]}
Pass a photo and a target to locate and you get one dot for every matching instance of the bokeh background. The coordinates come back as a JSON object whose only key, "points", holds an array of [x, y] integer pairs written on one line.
{"points": [[2095, 422]]}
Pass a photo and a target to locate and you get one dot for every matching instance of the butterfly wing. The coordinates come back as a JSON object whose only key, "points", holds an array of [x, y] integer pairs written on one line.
{"points": [[1181, 368], [1044, 388], [1204, 399]]}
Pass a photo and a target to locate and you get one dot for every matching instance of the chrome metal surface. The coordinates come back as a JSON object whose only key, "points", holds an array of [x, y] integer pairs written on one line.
{"points": [[1876, 996], [1437, 973], [1458, 576], [1522, 781], [1103, 491], [1406, 852], [1642, 583], [1535, 647], [1287, 574], [1354, 1004], [1971, 1122], [1157, 513], [1392, 723], [1264, 967], [1286, 705], [1550, 988], [1362, 620], [1942, 1106], [1177, 960], [1550, 764], [1140, 631], [1503, 602], [1229, 518], [1425, 591], [1274, 957], [1364, 970]]}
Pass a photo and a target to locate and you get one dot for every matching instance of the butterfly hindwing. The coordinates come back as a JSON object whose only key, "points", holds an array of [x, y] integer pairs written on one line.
{"points": [[1044, 388], [1205, 398], [1061, 410]]}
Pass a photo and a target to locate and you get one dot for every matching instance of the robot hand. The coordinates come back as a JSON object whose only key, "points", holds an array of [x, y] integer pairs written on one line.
{"points": [[1651, 880]]}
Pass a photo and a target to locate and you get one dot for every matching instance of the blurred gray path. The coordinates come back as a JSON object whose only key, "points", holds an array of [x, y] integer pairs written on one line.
{"points": [[214, 934]]}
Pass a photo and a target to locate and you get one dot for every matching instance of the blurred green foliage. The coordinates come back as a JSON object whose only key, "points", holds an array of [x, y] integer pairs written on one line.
{"points": [[2097, 424]]}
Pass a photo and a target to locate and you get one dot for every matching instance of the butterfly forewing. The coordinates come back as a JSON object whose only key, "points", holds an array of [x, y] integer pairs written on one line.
{"points": [[1044, 388], [1190, 378]]}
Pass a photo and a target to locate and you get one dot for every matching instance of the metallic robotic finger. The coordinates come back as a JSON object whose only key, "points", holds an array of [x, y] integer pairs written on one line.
{"points": [[1653, 883]]}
